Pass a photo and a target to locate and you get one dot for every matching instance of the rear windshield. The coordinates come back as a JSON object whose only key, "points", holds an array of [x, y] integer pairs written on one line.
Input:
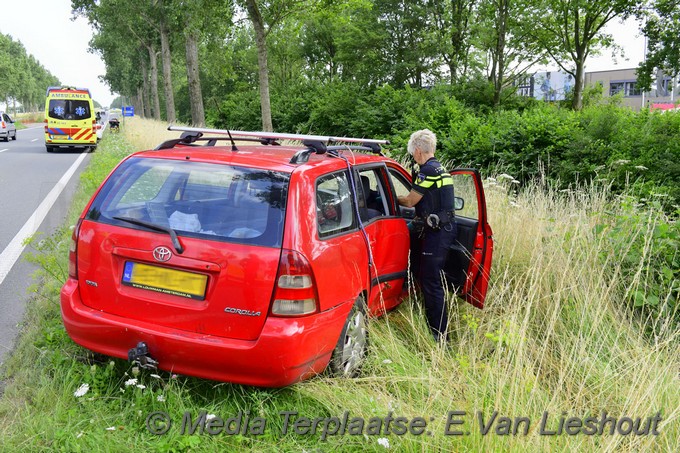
{"points": [[212, 201], [69, 109]]}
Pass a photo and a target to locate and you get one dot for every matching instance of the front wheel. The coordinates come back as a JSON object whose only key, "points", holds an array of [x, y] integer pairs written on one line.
{"points": [[350, 351]]}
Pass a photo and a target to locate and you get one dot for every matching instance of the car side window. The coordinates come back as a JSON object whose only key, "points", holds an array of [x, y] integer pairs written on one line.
{"points": [[334, 208], [401, 185], [372, 194], [464, 187]]}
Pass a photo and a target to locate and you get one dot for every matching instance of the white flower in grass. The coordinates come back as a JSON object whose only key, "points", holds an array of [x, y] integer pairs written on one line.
{"points": [[141, 386], [111, 428], [160, 398], [83, 389], [130, 382], [135, 371], [621, 162], [384, 441], [505, 176], [641, 167], [155, 376], [79, 435], [491, 179], [387, 361]]}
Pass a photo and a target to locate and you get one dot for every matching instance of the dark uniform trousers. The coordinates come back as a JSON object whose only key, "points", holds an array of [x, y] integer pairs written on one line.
{"points": [[429, 251]]}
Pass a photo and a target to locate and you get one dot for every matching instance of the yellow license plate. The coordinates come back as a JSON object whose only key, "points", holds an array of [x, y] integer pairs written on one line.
{"points": [[164, 280]]}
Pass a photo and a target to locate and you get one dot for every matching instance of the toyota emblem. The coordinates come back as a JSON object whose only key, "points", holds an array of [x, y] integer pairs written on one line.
{"points": [[162, 254]]}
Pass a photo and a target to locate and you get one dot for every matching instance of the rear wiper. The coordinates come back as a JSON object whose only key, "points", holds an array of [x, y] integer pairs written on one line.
{"points": [[156, 227]]}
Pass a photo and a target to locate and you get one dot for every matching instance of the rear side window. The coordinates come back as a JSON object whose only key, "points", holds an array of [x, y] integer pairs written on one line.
{"points": [[69, 109], [212, 201], [334, 207]]}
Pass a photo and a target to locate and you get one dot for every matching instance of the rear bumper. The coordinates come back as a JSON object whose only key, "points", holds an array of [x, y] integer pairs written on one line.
{"points": [[287, 350], [72, 144]]}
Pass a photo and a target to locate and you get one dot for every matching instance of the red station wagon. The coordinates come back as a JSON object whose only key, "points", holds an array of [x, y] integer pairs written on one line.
{"points": [[254, 264]]}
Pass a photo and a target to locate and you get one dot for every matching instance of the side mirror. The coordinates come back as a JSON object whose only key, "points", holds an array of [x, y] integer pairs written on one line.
{"points": [[407, 213], [458, 203]]}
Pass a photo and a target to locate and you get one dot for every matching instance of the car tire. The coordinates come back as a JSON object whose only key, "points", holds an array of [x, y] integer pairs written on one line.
{"points": [[14, 137], [350, 351], [50, 148]]}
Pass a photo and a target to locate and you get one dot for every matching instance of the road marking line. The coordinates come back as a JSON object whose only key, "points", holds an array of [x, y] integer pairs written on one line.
{"points": [[29, 128], [14, 249], [34, 140], [3, 150]]}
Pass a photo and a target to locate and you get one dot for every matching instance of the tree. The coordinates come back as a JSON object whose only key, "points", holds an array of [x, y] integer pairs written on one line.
{"points": [[162, 19], [201, 18], [504, 33], [570, 30], [454, 21], [662, 29], [264, 16]]}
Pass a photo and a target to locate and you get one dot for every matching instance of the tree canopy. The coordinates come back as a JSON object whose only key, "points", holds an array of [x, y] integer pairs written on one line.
{"points": [[22, 77]]}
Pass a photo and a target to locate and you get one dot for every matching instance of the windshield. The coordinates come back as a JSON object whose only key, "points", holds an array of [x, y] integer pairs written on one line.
{"points": [[69, 109], [213, 201]]}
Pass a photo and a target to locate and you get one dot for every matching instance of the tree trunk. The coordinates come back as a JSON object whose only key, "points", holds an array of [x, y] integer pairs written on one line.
{"points": [[261, 41], [499, 69], [167, 73], [141, 101], [154, 83], [194, 80], [145, 90], [577, 103]]}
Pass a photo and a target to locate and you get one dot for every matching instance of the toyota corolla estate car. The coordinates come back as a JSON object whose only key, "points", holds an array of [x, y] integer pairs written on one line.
{"points": [[255, 264]]}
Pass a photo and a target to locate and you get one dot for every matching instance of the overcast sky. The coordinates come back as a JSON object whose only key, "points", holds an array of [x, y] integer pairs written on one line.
{"points": [[60, 44]]}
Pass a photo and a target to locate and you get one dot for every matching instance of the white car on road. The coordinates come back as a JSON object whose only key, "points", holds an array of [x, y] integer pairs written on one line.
{"points": [[7, 128]]}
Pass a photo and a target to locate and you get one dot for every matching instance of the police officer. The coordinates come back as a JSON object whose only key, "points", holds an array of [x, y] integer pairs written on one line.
{"points": [[432, 196]]}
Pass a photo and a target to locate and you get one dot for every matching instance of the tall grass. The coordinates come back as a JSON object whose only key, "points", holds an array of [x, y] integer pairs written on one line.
{"points": [[554, 337]]}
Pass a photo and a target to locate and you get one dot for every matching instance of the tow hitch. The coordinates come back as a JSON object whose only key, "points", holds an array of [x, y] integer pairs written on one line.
{"points": [[140, 356]]}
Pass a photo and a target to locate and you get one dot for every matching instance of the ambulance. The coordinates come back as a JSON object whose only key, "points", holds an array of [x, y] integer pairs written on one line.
{"points": [[70, 120]]}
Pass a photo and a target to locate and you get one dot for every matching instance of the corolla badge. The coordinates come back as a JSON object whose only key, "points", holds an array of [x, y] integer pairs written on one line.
{"points": [[162, 254]]}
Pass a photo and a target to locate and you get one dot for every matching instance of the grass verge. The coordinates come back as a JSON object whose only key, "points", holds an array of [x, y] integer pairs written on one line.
{"points": [[554, 341]]}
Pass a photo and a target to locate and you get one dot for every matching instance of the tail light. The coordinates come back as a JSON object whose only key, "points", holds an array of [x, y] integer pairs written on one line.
{"points": [[2, 124], [45, 125], [295, 291], [73, 253]]}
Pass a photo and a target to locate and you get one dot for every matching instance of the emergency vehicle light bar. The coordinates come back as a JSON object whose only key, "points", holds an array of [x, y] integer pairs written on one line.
{"points": [[67, 88]]}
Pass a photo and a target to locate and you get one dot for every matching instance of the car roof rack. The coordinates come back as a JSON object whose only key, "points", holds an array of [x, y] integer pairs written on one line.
{"points": [[318, 144], [189, 138]]}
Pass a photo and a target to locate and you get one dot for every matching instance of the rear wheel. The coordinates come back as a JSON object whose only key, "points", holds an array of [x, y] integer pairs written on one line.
{"points": [[350, 351], [14, 137], [49, 148]]}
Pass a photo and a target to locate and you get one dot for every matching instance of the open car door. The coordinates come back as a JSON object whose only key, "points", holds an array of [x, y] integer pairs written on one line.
{"points": [[468, 263]]}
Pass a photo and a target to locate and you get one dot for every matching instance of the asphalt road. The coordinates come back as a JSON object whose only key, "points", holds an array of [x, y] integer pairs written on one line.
{"points": [[36, 189]]}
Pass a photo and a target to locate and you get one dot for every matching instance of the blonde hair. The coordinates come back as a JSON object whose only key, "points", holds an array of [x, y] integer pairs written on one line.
{"points": [[423, 139]]}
